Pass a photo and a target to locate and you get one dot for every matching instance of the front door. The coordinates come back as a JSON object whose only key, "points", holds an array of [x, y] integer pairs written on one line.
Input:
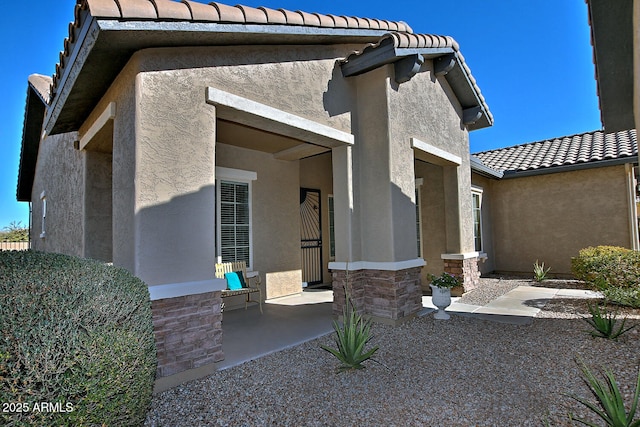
{"points": [[311, 236]]}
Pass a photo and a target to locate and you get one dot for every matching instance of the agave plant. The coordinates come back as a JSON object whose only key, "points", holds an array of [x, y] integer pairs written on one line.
{"points": [[609, 405], [351, 339], [539, 272], [605, 323]]}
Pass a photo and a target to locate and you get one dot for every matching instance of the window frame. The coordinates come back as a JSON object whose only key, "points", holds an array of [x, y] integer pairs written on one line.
{"points": [[234, 176], [477, 191], [43, 199]]}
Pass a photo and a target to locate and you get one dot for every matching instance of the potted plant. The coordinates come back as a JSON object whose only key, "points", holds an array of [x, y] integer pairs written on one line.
{"points": [[441, 292]]}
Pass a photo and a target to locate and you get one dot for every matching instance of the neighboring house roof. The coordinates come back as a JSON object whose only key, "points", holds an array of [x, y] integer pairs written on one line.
{"points": [[413, 49], [612, 29], [586, 150]]}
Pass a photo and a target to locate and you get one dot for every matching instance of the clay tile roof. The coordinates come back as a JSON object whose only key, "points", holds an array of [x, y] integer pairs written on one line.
{"points": [[274, 16], [565, 151], [41, 84], [194, 11], [228, 13], [172, 10]]}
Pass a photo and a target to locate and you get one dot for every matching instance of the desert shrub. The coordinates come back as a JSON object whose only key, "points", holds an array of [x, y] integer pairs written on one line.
{"points": [[607, 266], [77, 336]]}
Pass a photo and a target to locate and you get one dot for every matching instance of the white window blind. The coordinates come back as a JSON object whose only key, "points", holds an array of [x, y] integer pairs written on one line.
{"points": [[235, 222]]}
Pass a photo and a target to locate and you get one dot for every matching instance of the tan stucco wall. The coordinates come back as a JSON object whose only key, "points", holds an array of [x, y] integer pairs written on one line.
{"points": [[316, 173], [551, 217], [276, 217], [123, 93], [434, 239], [59, 173], [486, 265], [426, 108]]}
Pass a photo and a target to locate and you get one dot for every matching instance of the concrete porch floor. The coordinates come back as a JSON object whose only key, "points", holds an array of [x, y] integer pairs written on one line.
{"points": [[292, 320]]}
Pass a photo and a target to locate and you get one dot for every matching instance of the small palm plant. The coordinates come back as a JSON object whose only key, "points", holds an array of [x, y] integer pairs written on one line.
{"points": [[539, 272], [352, 337], [610, 404], [605, 323]]}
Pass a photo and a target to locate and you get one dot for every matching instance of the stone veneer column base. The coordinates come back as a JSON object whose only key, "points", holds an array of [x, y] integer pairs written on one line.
{"points": [[188, 332], [466, 268], [385, 296]]}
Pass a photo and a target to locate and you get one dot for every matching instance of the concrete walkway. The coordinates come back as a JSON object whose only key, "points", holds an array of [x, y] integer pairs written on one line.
{"points": [[518, 306]]}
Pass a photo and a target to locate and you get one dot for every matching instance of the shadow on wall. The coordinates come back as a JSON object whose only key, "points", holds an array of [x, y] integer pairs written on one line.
{"points": [[175, 240]]}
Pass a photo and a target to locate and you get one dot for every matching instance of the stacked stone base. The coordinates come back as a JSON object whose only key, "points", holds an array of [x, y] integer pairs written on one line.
{"points": [[188, 332], [384, 296], [466, 269]]}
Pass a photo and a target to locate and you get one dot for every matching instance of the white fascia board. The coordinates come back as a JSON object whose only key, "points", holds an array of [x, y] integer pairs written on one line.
{"points": [[176, 290], [261, 116], [372, 265], [435, 151], [109, 113]]}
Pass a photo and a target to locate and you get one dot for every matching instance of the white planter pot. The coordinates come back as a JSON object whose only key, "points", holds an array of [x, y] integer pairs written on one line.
{"points": [[441, 298]]}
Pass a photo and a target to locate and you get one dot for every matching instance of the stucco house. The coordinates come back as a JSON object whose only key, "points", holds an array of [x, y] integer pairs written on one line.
{"points": [[177, 133], [546, 200]]}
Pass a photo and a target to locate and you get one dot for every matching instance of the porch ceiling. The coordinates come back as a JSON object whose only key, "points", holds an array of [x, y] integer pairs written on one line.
{"points": [[282, 147]]}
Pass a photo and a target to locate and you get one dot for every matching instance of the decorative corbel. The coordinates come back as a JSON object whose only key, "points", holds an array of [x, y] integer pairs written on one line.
{"points": [[443, 64], [408, 67], [471, 115]]}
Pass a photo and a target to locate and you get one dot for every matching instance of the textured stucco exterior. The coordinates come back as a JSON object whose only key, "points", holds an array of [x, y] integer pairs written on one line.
{"points": [[487, 262], [59, 175], [156, 160], [551, 217]]}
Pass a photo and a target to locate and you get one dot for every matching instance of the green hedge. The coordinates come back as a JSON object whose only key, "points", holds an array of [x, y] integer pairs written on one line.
{"points": [[77, 344], [613, 270]]}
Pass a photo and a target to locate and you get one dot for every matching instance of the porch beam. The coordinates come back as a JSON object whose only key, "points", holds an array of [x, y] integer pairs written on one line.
{"points": [[434, 155], [264, 117], [299, 152]]}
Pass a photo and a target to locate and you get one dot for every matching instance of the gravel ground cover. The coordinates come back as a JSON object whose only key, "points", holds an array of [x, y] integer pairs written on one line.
{"points": [[461, 372]]}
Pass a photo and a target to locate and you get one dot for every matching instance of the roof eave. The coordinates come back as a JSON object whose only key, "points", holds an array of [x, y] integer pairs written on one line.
{"points": [[480, 168], [456, 76], [32, 127], [612, 40], [86, 75], [570, 168]]}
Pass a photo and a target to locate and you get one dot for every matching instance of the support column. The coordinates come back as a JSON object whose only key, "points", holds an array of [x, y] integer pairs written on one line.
{"points": [[388, 293], [465, 266]]}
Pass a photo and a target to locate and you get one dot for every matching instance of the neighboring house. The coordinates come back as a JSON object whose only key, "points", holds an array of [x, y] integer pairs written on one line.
{"points": [[174, 134], [547, 200], [615, 37]]}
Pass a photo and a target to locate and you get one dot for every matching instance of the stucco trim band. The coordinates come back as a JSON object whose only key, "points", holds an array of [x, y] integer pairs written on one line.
{"points": [[109, 113], [466, 255], [373, 265], [446, 157], [260, 116], [175, 290]]}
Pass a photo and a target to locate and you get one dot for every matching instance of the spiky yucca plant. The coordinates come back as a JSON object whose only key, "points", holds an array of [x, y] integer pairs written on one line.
{"points": [[351, 339], [605, 322], [352, 336], [609, 405]]}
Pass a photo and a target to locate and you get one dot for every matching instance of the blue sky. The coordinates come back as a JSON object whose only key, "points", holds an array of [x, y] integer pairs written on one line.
{"points": [[532, 61]]}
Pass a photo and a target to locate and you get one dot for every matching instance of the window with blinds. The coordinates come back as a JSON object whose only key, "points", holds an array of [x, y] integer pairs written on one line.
{"points": [[234, 223]]}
